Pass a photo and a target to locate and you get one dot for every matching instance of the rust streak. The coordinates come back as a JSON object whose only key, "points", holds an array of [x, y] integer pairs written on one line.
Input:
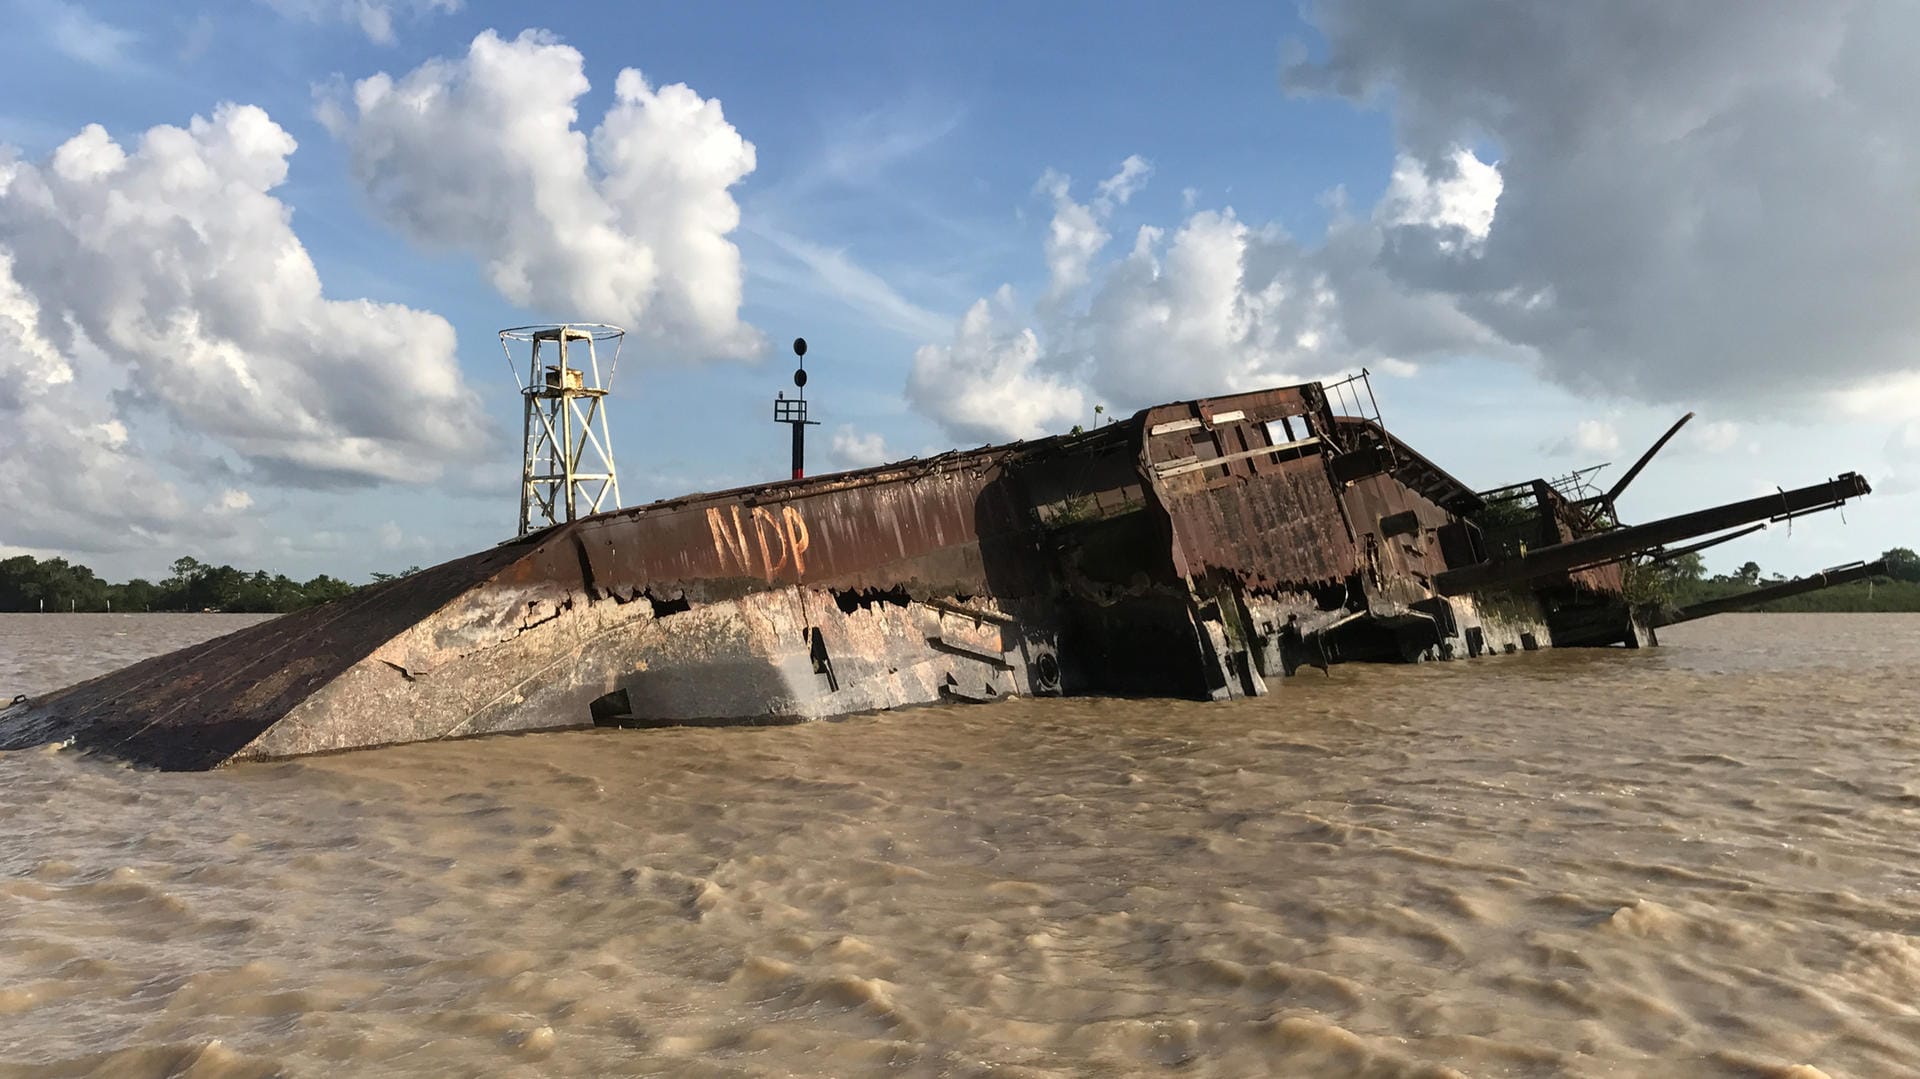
{"points": [[729, 542], [797, 539], [761, 520]]}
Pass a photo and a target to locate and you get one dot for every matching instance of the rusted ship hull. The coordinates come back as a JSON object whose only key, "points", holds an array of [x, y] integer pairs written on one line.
{"points": [[1201, 549]]}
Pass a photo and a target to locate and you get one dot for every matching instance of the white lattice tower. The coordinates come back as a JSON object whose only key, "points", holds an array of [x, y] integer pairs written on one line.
{"points": [[566, 470]]}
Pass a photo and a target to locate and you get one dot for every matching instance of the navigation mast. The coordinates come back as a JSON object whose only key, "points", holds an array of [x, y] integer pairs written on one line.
{"points": [[792, 411], [566, 467]]}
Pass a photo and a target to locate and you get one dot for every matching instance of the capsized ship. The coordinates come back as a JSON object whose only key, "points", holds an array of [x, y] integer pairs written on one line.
{"points": [[1202, 549]]}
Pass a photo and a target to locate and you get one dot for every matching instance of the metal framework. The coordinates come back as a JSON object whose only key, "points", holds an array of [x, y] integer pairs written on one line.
{"points": [[1578, 485], [566, 469], [1353, 396]]}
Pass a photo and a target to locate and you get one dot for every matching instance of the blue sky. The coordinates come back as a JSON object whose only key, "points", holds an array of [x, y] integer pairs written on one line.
{"points": [[1546, 242]]}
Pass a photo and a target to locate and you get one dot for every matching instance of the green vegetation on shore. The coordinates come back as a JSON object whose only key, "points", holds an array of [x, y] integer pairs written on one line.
{"points": [[54, 584], [1684, 581], [1879, 594]]}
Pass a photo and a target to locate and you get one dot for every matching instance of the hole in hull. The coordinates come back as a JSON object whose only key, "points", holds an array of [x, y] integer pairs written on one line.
{"points": [[822, 663], [852, 599], [612, 710], [665, 607]]}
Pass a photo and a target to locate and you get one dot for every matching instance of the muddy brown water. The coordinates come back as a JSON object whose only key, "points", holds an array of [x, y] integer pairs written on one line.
{"points": [[1697, 860]]}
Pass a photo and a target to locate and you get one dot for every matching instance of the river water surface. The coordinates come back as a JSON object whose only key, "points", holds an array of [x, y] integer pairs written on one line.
{"points": [[1702, 859]]}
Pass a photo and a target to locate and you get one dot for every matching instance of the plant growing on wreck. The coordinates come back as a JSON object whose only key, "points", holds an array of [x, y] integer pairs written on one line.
{"points": [[1509, 522], [1072, 510], [1654, 590]]}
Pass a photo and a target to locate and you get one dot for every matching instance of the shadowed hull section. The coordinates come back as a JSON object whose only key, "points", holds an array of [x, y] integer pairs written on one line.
{"points": [[199, 706]]}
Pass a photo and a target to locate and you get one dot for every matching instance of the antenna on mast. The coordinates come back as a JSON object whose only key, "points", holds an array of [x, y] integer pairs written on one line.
{"points": [[566, 467]]}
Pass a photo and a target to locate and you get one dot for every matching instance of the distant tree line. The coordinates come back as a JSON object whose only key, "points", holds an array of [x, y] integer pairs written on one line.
{"points": [[1684, 580], [54, 584]]}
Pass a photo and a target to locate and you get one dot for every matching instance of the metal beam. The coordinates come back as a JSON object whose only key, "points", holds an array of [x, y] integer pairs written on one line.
{"points": [[1610, 546], [1813, 582], [1681, 552], [1608, 498]]}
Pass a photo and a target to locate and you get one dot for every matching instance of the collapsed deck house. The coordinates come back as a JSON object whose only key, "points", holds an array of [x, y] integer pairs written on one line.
{"points": [[1200, 549]]}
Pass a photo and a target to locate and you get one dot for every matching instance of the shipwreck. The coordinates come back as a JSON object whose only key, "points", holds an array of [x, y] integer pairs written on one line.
{"points": [[1202, 549]]}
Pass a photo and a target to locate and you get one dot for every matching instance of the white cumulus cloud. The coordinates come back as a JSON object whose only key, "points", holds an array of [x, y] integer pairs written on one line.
{"points": [[1214, 304], [1460, 206], [1718, 436], [628, 223], [1694, 199], [1218, 305], [851, 449], [1078, 231], [1595, 436], [83, 36], [69, 482], [1115, 190], [1689, 203], [176, 262], [987, 384], [1589, 438], [373, 17]]}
